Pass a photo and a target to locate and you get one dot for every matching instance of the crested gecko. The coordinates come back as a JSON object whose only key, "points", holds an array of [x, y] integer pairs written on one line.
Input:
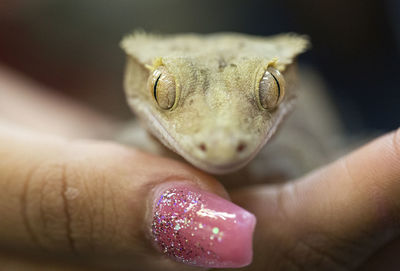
{"points": [[217, 99]]}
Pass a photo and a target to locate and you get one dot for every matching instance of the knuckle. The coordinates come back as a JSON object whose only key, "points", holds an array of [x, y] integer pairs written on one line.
{"points": [[50, 212], [89, 202], [73, 206]]}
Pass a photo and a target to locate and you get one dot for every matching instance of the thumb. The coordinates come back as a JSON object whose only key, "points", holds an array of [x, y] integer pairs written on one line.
{"points": [[334, 218], [108, 205]]}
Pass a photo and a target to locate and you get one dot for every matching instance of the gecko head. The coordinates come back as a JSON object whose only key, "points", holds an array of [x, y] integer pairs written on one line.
{"points": [[216, 108]]}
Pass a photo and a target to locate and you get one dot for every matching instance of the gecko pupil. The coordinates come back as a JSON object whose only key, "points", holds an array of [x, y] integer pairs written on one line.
{"points": [[163, 88], [271, 89], [155, 88], [279, 87]]}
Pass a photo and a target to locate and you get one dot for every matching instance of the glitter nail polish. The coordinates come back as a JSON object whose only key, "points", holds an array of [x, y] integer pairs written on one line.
{"points": [[202, 229]]}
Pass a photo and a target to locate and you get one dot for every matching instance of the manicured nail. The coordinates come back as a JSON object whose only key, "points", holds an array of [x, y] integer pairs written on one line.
{"points": [[202, 229]]}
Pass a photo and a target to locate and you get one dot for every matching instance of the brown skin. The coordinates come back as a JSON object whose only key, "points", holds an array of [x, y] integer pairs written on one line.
{"points": [[339, 217]]}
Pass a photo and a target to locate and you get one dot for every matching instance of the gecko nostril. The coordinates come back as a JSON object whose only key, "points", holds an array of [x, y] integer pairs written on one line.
{"points": [[203, 147], [241, 147]]}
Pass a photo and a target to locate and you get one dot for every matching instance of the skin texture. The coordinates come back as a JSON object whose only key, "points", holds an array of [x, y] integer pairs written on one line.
{"points": [[214, 119]]}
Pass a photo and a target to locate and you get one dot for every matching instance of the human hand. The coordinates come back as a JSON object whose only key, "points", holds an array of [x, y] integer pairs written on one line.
{"points": [[70, 203]]}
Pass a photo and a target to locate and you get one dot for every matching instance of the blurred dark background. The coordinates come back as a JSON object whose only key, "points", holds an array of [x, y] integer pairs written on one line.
{"points": [[72, 45]]}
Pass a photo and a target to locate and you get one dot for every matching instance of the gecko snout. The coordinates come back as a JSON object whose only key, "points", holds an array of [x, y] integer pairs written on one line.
{"points": [[221, 148], [219, 152]]}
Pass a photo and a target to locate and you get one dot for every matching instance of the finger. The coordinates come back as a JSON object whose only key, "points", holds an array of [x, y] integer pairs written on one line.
{"points": [[32, 105], [336, 216], [108, 204]]}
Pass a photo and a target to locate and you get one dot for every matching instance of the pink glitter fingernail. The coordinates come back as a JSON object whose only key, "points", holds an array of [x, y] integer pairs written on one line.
{"points": [[202, 229]]}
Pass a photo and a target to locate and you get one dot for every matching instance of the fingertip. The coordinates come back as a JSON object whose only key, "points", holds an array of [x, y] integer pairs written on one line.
{"points": [[199, 228]]}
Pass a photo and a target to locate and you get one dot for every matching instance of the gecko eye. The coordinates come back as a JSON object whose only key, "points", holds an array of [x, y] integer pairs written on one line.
{"points": [[271, 88], [163, 88]]}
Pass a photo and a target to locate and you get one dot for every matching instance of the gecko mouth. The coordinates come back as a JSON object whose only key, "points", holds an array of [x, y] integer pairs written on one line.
{"points": [[219, 168]]}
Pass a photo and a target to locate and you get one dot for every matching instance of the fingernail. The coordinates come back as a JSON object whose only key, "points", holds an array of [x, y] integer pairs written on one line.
{"points": [[199, 228]]}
